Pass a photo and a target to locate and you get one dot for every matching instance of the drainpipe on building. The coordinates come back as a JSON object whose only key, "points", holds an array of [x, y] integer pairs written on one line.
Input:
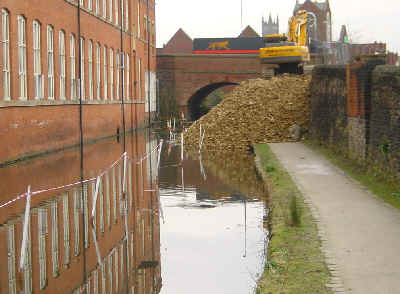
{"points": [[81, 141]]}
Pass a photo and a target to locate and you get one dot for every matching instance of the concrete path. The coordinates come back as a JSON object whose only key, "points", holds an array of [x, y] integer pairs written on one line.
{"points": [[362, 233]]}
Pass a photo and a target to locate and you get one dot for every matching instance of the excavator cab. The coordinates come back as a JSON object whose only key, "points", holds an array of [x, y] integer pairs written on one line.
{"points": [[287, 54]]}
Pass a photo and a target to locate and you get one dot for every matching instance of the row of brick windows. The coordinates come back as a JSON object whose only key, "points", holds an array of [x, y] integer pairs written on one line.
{"points": [[109, 10], [109, 76], [59, 232]]}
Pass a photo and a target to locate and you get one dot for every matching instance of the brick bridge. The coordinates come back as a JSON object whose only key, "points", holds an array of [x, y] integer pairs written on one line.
{"points": [[192, 77]]}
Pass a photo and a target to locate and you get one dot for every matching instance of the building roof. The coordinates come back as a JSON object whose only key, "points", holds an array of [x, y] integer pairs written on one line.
{"points": [[179, 43], [248, 32]]}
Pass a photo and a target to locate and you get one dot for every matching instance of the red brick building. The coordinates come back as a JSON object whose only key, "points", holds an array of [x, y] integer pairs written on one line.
{"points": [[179, 43], [321, 12], [248, 32], [54, 52]]}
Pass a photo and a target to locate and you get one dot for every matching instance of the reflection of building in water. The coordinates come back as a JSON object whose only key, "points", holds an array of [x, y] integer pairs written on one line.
{"points": [[61, 248]]}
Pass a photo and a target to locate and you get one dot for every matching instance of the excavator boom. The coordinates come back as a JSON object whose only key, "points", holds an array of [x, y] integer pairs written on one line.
{"points": [[287, 54]]}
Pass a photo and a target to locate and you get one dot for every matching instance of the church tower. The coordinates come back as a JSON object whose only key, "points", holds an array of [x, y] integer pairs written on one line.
{"points": [[270, 27]]}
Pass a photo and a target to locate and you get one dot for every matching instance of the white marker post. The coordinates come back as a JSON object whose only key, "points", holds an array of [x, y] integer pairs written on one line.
{"points": [[25, 231], [97, 246], [159, 153], [94, 198], [182, 146]]}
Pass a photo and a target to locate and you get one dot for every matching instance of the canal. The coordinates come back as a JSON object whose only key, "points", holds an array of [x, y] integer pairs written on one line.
{"points": [[135, 225]]}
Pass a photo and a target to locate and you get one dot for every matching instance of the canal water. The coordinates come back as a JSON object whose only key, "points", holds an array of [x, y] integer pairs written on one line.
{"points": [[136, 225]]}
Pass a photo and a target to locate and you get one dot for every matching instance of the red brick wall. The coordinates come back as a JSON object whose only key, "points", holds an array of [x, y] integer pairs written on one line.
{"points": [[63, 168], [179, 43], [37, 125], [186, 74]]}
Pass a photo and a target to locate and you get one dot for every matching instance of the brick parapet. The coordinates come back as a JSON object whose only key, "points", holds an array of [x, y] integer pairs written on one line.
{"points": [[328, 123], [384, 145]]}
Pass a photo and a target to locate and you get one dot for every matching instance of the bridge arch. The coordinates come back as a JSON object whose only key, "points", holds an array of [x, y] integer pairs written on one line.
{"points": [[194, 102]]}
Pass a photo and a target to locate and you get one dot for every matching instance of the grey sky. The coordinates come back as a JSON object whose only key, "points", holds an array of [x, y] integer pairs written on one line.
{"points": [[366, 20]]}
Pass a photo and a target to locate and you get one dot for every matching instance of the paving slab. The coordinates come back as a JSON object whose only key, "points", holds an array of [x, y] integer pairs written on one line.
{"points": [[362, 232]]}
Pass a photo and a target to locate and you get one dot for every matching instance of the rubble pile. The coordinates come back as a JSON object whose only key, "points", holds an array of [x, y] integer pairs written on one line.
{"points": [[255, 111]]}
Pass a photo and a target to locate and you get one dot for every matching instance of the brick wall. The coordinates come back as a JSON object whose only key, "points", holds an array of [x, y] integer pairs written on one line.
{"points": [[36, 124], [384, 147], [183, 75], [329, 106], [355, 110]]}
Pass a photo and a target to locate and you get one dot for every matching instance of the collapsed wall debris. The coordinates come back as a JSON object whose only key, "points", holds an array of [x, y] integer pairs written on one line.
{"points": [[256, 111]]}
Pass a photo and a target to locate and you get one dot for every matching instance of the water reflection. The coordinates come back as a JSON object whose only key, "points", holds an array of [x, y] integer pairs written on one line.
{"points": [[68, 251], [213, 237]]}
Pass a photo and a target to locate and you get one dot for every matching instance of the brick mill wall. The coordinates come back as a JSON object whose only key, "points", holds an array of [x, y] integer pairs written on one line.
{"points": [[32, 124], [384, 146], [355, 110], [329, 107]]}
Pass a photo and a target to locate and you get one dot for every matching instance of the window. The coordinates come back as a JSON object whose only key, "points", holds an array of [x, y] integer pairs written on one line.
{"points": [[61, 41], [128, 84], [110, 274], [5, 39], [103, 278], [138, 20], [42, 232], [89, 4], [105, 8], [126, 15], [105, 73], [110, 14], [114, 194], [12, 282], [97, 7], [90, 68], [86, 214], [54, 237], [116, 268], [140, 78], [108, 205], [50, 62], [130, 185], [122, 261], [72, 62], [111, 74], [66, 229], [22, 57], [116, 11], [82, 77], [95, 282], [37, 63], [28, 262], [101, 204], [76, 221], [117, 77], [98, 71]]}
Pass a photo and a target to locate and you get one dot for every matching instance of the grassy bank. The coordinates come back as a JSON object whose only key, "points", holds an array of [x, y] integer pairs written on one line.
{"points": [[295, 263], [375, 181]]}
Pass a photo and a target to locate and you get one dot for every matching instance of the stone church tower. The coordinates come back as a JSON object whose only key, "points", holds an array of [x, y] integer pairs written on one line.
{"points": [[270, 27], [321, 12]]}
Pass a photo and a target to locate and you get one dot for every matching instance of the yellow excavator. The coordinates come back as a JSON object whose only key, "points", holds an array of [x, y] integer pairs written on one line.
{"points": [[287, 54]]}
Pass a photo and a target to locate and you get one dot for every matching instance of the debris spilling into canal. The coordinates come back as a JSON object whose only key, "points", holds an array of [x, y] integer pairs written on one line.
{"points": [[255, 111]]}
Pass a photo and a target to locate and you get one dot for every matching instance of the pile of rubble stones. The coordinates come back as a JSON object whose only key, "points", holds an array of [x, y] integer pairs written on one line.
{"points": [[256, 111]]}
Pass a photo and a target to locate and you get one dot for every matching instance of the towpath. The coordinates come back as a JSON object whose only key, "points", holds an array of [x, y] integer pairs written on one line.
{"points": [[361, 233]]}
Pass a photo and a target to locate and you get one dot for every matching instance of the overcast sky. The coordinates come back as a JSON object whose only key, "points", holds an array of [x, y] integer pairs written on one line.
{"points": [[366, 20]]}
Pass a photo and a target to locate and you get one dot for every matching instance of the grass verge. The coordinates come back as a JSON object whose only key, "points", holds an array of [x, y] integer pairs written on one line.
{"points": [[375, 181], [295, 263]]}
